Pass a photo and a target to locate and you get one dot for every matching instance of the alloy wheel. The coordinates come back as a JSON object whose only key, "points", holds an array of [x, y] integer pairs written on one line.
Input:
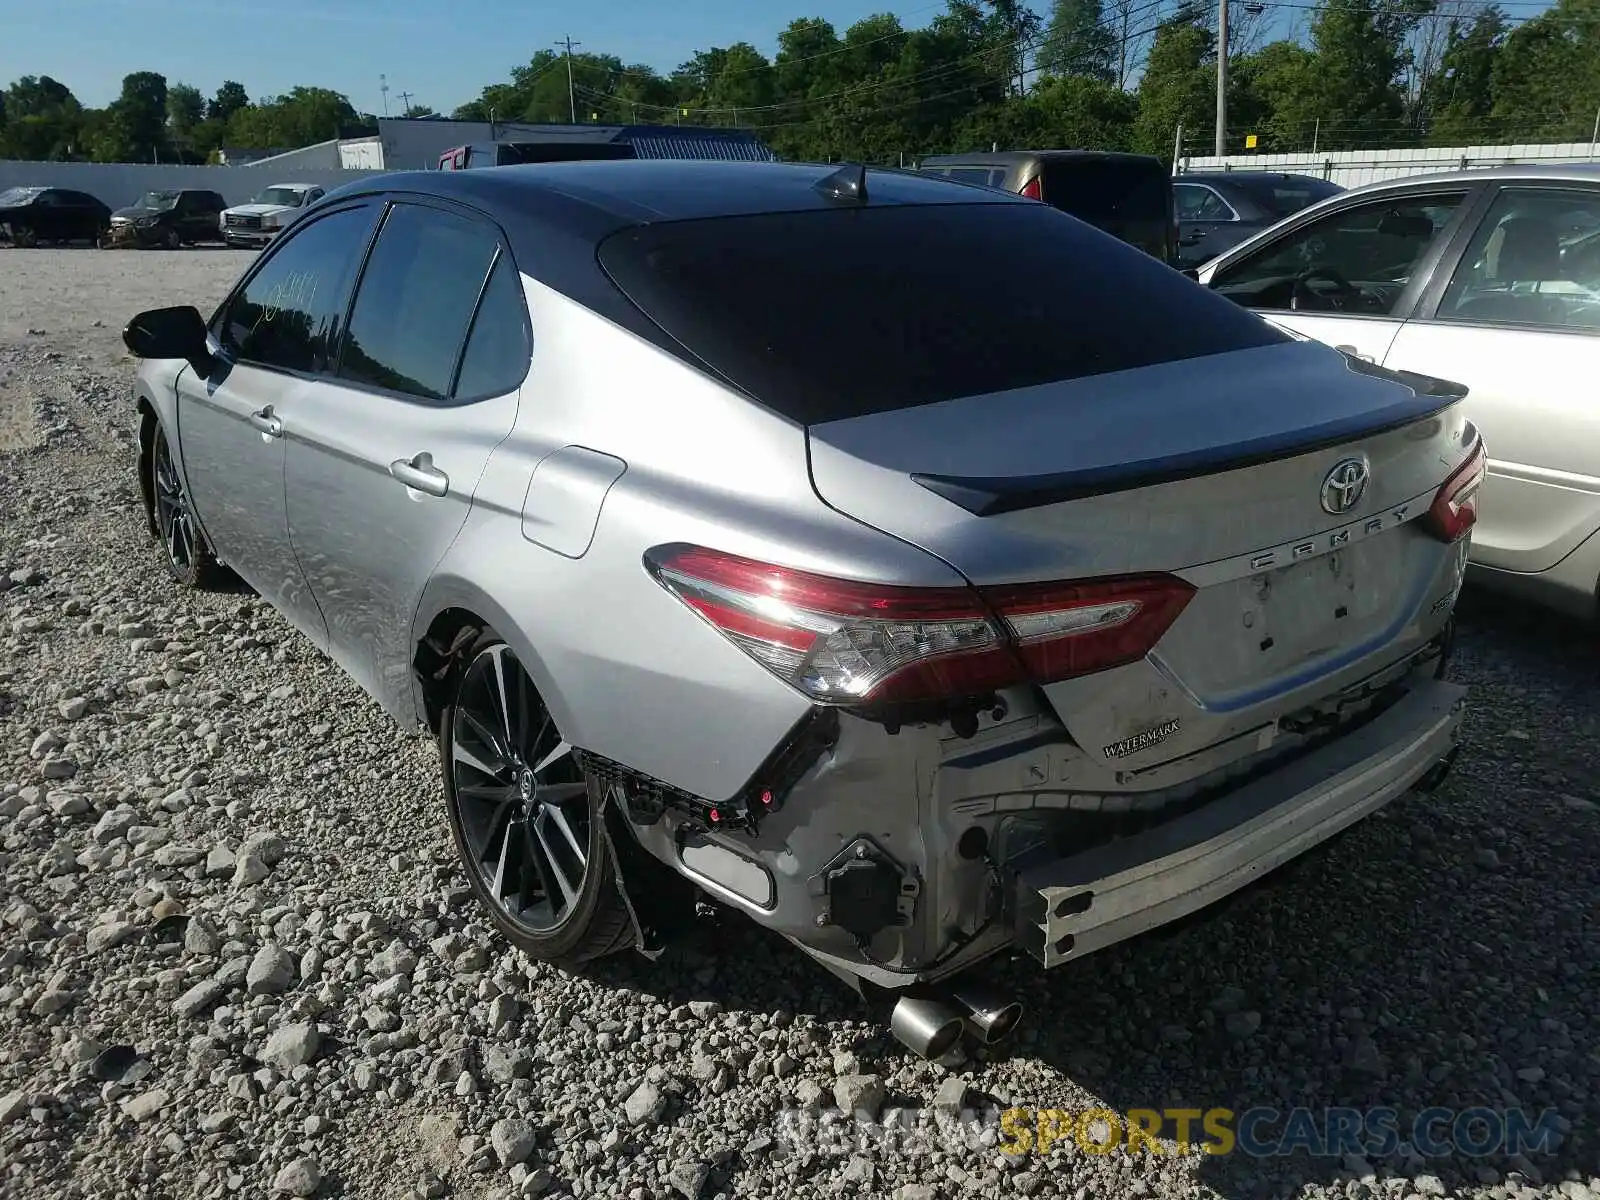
{"points": [[519, 793], [174, 522]]}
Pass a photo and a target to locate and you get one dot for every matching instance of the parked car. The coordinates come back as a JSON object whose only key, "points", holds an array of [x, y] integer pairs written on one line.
{"points": [[273, 210], [1127, 195], [1217, 210], [990, 616], [170, 219], [30, 215], [1491, 277]]}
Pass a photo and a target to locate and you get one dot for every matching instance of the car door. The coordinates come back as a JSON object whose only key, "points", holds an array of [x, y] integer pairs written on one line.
{"points": [[382, 460], [51, 216], [272, 338], [1204, 221], [1517, 321], [1348, 275]]}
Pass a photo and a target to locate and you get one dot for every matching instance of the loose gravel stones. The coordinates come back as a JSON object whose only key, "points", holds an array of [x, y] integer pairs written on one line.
{"points": [[238, 957]]}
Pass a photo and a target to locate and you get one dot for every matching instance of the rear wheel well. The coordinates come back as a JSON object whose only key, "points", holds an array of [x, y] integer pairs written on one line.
{"points": [[439, 657]]}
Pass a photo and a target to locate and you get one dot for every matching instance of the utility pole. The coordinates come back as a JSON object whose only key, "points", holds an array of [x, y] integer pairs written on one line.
{"points": [[405, 103], [572, 101], [383, 86], [1222, 77]]}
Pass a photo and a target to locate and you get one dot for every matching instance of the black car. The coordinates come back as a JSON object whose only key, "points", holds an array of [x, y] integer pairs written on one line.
{"points": [[1127, 195], [30, 215], [170, 218], [1218, 210]]}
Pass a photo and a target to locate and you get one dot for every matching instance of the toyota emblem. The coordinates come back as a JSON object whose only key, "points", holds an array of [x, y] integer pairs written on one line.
{"points": [[1344, 486]]}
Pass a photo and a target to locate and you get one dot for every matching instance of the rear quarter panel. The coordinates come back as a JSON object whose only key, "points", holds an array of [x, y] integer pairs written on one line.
{"points": [[629, 672]]}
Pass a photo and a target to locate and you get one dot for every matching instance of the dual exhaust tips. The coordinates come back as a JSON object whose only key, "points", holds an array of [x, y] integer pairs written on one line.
{"points": [[931, 1026]]}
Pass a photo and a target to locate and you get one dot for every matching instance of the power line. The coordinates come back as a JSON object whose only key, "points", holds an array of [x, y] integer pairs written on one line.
{"points": [[572, 101]]}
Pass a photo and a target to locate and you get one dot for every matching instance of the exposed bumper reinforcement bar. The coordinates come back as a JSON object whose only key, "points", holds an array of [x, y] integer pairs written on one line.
{"points": [[1068, 907]]}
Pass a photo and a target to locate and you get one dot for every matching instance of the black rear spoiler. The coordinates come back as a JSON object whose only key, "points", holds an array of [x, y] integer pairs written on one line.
{"points": [[987, 497]]}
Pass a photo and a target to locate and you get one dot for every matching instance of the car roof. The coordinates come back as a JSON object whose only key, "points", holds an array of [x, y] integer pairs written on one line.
{"points": [[1007, 157], [590, 193], [1532, 172], [1225, 176]]}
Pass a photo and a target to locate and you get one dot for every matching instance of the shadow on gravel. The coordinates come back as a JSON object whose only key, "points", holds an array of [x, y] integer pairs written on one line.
{"points": [[1442, 955]]}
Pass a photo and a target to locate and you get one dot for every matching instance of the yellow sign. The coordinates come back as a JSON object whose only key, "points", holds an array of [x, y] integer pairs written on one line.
{"points": [[1249, 141]]}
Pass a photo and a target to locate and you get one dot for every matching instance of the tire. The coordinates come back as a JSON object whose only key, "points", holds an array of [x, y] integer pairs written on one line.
{"points": [[22, 237], [522, 812], [171, 239], [183, 546]]}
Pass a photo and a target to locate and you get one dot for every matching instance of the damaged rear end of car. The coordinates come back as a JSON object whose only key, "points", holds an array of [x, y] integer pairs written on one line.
{"points": [[1206, 581]]}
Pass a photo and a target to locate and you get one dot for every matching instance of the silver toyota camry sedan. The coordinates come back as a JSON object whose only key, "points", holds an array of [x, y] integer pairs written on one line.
{"points": [[908, 566]]}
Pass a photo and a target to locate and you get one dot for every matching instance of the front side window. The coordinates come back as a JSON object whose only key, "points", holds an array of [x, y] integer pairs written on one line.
{"points": [[416, 300], [1356, 261], [1196, 203], [287, 314], [1535, 260]]}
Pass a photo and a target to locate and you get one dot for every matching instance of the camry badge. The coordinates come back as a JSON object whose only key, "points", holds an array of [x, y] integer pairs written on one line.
{"points": [[1344, 486]]}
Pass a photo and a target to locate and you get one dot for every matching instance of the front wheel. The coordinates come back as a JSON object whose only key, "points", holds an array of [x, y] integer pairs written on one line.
{"points": [[527, 821], [171, 239]]}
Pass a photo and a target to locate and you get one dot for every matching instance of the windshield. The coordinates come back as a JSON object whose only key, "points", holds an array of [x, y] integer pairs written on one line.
{"points": [[18, 195], [293, 197], [159, 201], [1284, 197]]}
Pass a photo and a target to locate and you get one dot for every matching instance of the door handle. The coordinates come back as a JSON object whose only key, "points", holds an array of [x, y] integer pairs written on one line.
{"points": [[1354, 353], [268, 424], [418, 472]]}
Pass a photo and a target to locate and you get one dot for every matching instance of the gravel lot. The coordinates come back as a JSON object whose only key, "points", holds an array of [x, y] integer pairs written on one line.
{"points": [[237, 956]]}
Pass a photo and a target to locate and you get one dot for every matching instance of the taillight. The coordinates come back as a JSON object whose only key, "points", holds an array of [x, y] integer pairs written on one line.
{"points": [[843, 642], [1454, 510], [1033, 189]]}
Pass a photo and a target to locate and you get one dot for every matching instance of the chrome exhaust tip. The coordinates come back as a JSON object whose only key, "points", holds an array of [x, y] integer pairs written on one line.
{"points": [[992, 1017], [928, 1028]]}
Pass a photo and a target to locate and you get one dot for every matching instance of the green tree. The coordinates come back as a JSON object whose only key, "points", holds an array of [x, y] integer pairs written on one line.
{"points": [[1458, 99], [302, 117], [1077, 42], [1178, 87], [230, 98], [1273, 94], [140, 117], [1361, 61], [186, 109], [1546, 76]]}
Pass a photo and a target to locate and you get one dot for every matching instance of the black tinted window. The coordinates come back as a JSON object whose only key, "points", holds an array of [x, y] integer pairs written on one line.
{"points": [[416, 298], [1097, 190], [1285, 197], [843, 312], [287, 314], [496, 358]]}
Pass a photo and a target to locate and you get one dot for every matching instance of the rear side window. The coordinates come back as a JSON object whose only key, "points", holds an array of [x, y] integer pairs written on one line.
{"points": [[415, 301], [1099, 190], [497, 354], [285, 316], [824, 315], [1285, 197]]}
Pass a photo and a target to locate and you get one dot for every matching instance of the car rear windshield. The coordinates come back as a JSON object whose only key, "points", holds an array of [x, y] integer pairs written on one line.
{"points": [[1284, 197], [1098, 190], [823, 315]]}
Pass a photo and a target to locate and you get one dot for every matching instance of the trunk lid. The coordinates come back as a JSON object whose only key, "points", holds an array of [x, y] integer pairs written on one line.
{"points": [[1213, 469]]}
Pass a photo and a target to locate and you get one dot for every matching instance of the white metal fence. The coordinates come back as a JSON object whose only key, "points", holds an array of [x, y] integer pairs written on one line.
{"points": [[1351, 167]]}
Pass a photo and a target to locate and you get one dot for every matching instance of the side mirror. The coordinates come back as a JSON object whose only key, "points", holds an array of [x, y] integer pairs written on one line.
{"points": [[171, 333]]}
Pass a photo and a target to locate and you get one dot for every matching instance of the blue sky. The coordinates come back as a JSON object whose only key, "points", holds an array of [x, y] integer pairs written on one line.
{"points": [[441, 51]]}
